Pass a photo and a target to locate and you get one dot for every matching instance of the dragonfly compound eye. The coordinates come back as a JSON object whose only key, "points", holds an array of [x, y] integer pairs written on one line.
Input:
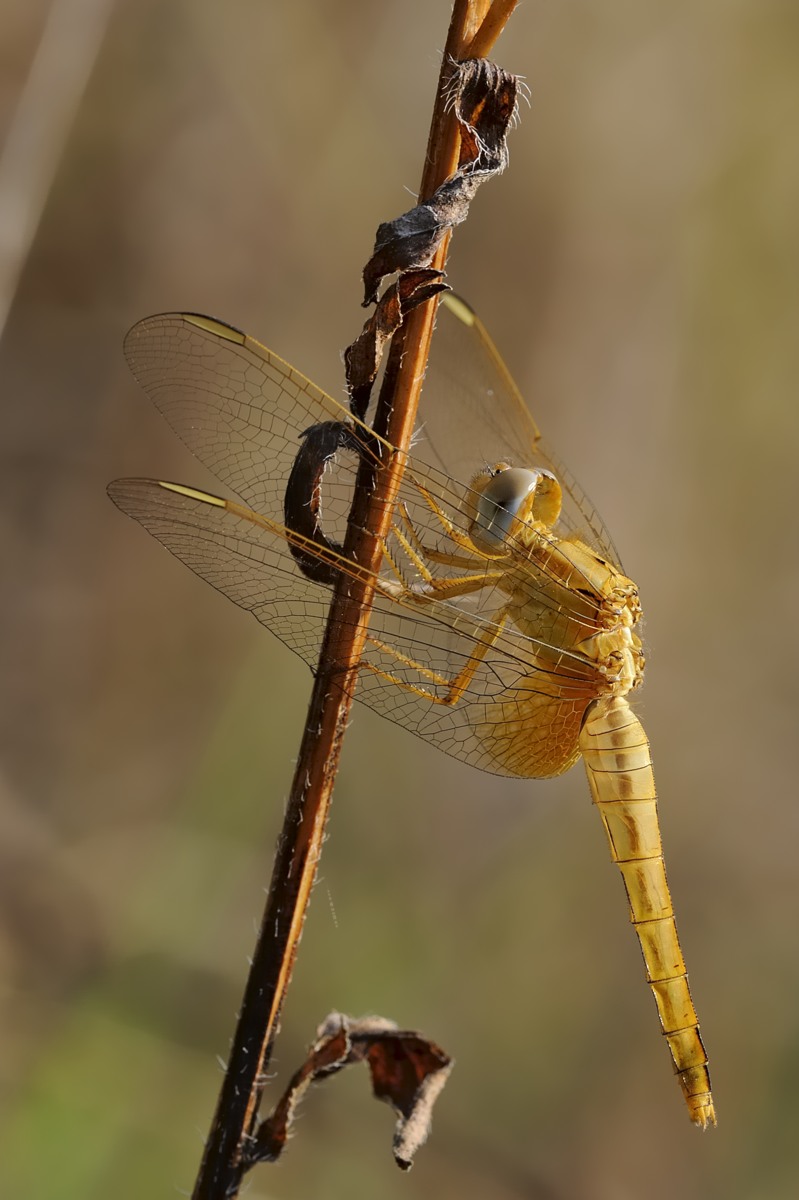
{"points": [[515, 494]]}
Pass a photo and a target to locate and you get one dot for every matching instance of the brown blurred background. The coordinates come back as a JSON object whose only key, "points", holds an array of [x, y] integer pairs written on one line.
{"points": [[638, 267]]}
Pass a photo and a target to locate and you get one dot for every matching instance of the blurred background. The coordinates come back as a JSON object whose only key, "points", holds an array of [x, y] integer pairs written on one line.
{"points": [[637, 265]]}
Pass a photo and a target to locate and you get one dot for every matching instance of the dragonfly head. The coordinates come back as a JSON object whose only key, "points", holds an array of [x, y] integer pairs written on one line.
{"points": [[508, 496]]}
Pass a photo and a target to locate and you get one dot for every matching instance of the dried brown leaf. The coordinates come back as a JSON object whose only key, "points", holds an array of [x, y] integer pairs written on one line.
{"points": [[408, 1071], [362, 358]]}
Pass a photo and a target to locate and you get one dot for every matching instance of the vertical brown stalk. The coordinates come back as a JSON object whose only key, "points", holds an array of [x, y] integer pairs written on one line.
{"points": [[299, 846]]}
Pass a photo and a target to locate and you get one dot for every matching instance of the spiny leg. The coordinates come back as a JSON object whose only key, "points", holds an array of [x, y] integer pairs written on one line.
{"points": [[455, 687], [414, 549], [411, 552], [437, 589], [453, 533], [443, 558]]}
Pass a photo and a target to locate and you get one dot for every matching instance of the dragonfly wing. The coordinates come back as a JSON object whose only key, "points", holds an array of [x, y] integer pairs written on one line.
{"points": [[507, 723], [413, 651], [472, 413], [240, 553], [237, 406], [242, 411]]}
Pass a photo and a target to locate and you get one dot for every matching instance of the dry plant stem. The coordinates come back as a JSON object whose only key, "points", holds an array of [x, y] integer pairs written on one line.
{"points": [[300, 842], [494, 22]]}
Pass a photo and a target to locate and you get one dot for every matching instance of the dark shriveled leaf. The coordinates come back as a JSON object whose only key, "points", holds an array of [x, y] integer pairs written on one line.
{"points": [[408, 1072], [302, 504], [483, 99]]}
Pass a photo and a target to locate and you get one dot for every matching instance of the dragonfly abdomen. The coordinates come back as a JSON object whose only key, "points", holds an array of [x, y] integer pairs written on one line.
{"points": [[619, 766]]}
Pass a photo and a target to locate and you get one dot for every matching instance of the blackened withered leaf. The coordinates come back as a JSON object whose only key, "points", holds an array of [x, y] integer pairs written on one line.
{"points": [[408, 1071], [483, 98], [302, 503]]}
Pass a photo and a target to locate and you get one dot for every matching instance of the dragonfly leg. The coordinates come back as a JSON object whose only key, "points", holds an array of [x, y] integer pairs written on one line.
{"points": [[460, 561], [416, 552], [438, 589], [453, 533], [455, 687], [412, 552]]}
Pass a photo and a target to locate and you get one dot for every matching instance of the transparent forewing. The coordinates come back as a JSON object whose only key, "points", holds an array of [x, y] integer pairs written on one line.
{"points": [[237, 406], [459, 668], [242, 409], [472, 414], [245, 559], [519, 715]]}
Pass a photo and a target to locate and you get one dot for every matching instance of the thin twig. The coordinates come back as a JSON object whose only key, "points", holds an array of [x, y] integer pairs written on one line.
{"points": [[300, 842], [494, 22]]}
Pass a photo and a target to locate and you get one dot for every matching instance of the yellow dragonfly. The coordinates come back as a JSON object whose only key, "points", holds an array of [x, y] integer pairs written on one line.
{"points": [[503, 629]]}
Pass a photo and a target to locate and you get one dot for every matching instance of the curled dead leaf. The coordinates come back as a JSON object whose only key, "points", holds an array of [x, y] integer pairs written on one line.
{"points": [[362, 358], [483, 98], [408, 1071]]}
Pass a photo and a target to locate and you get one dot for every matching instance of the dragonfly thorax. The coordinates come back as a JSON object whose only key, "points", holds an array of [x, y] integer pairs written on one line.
{"points": [[508, 498]]}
